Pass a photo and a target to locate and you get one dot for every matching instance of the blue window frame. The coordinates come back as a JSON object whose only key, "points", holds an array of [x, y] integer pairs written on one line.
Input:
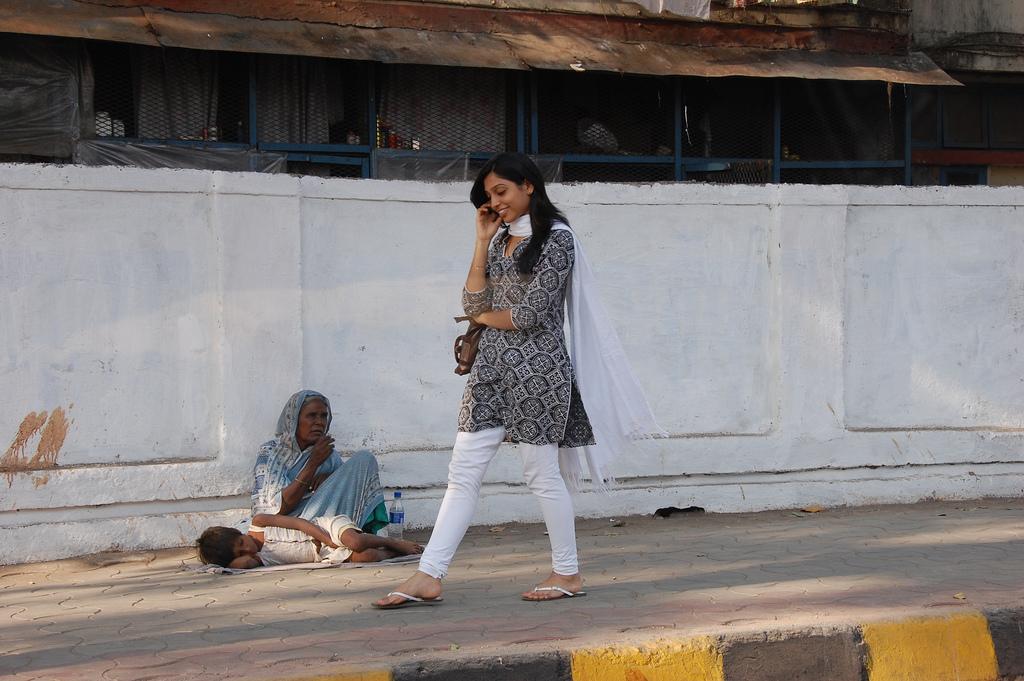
{"points": [[992, 109]]}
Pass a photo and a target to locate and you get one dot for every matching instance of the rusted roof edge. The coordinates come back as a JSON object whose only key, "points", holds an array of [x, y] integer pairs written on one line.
{"points": [[316, 15], [519, 50]]}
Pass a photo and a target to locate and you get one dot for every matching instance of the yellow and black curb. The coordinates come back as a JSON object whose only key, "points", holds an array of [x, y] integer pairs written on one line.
{"points": [[961, 646]]}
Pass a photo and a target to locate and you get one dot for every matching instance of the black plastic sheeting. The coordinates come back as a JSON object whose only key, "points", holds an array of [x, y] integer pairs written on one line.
{"points": [[154, 155], [46, 102]]}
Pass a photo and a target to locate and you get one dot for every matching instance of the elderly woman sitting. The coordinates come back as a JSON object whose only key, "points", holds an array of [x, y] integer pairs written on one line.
{"points": [[299, 473]]}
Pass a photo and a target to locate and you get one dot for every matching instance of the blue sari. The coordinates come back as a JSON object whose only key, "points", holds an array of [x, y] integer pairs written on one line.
{"points": [[351, 488]]}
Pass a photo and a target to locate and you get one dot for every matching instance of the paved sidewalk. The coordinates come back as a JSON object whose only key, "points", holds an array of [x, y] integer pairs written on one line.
{"points": [[142, 616]]}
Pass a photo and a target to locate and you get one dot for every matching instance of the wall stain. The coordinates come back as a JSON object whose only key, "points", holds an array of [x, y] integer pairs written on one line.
{"points": [[14, 459], [52, 432], [40, 480], [51, 440]]}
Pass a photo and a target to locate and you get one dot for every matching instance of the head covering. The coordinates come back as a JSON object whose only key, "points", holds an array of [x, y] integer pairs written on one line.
{"points": [[276, 459], [288, 421]]}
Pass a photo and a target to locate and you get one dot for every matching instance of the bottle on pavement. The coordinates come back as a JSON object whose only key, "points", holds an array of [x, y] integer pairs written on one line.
{"points": [[396, 518]]}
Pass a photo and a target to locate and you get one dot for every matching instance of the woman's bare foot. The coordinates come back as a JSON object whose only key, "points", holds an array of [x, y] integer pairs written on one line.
{"points": [[573, 583], [420, 585]]}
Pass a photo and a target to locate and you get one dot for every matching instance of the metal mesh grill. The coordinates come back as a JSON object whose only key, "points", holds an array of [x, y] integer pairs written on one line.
{"points": [[924, 124], [232, 111], [825, 120], [445, 108], [177, 94], [869, 176], [617, 172], [301, 100], [599, 113], [727, 118], [113, 101], [169, 94], [738, 172]]}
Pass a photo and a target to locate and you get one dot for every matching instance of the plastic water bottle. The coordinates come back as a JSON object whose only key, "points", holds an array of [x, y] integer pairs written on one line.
{"points": [[396, 518]]}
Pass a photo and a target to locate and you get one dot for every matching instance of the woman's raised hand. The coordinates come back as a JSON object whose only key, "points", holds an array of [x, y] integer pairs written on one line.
{"points": [[322, 449], [487, 223]]}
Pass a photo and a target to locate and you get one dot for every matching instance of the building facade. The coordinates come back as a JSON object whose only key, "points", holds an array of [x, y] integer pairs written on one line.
{"points": [[973, 134], [756, 92]]}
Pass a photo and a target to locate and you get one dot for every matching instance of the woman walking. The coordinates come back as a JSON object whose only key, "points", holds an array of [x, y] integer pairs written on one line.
{"points": [[527, 386]]}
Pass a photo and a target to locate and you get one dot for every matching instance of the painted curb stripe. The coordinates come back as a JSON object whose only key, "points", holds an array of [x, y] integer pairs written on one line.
{"points": [[696, 659], [958, 647], [955, 648]]}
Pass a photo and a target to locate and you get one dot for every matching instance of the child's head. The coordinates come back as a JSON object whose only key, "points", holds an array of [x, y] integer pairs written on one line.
{"points": [[221, 545]]}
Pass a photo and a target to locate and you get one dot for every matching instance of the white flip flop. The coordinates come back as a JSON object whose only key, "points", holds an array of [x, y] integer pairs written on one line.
{"points": [[565, 594], [409, 602]]}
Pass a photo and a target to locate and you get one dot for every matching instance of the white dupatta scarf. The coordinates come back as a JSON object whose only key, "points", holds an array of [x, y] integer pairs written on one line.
{"points": [[615, 402]]}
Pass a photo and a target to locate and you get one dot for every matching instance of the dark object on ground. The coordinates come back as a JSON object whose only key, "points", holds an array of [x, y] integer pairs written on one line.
{"points": [[669, 510]]}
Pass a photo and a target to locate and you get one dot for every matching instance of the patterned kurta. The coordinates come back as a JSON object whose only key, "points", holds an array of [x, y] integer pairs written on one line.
{"points": [[523, 379]]}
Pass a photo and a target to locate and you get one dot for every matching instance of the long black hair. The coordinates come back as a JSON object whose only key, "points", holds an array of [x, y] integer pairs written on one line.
{"points": [[520, 168]]}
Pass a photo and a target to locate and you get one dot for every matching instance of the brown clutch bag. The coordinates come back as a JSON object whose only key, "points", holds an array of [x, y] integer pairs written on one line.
{"points": [[466, 346]]}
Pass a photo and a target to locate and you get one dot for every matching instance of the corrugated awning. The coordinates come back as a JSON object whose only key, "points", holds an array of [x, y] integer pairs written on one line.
{"points": [[506, 39]]}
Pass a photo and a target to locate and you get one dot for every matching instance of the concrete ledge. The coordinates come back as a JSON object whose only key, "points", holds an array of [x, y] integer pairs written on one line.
{"points": [[1007, 629], [776, 657], [958, 646], [696, 659]]}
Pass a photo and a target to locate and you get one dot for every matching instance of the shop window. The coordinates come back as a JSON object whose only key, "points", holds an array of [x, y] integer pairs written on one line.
{"points": [[113, 101], [1006, 108], [829, 120], [727, 117], [304, 101], [963, 117], [604, 114], [924, 124], [444, 108], [169, 94]]}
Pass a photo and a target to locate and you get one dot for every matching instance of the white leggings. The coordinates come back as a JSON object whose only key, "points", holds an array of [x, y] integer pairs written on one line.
{"points": [[470, 458]]}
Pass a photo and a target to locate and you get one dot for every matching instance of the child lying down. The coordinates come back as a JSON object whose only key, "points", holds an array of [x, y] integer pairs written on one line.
{"points": [[281, 539]]}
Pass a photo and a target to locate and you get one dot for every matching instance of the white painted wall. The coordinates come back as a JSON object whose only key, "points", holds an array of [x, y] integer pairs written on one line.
{"points": [[830, 345]]}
